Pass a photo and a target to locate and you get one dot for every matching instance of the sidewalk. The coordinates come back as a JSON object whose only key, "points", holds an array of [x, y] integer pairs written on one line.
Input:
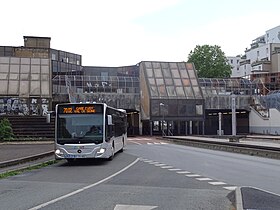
{"points": [[16, 150], [20, 155], [265, 141]]}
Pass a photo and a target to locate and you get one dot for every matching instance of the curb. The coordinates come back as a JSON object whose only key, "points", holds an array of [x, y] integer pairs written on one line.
{"points": [[238, 199], [25, 159], [253, 150], [24, 142], [235, 197]]}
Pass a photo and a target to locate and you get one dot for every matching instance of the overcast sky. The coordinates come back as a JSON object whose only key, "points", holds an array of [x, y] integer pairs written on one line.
{"points": [[125, 32]]}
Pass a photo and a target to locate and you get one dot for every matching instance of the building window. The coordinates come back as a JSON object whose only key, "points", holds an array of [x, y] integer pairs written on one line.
{"points": [[104, 76], [231, 61], [266, 51]]}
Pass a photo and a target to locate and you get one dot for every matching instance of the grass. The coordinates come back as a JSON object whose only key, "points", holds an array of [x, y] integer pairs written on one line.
{"points": [[30, 168]]}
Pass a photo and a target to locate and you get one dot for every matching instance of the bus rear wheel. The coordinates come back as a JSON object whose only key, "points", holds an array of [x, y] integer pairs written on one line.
{"points": [[121, 150]]}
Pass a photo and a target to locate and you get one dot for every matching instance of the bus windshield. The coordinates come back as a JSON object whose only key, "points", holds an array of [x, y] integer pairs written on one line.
{"points": [[80, 128]]}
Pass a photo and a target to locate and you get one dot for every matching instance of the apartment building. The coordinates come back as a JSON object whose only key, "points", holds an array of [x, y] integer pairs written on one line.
{"points": [[234, 62], [260, 61]]}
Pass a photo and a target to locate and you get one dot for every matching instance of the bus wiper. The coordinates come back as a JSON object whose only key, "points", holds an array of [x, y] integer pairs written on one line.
{"points": [[79, 140]]}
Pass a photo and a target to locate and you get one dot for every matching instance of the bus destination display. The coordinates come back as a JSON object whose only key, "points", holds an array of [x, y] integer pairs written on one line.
{"points": [[79, 109]]}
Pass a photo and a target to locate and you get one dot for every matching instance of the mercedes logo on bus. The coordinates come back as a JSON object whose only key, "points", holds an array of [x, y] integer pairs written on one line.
{"points": [[79, 151]]}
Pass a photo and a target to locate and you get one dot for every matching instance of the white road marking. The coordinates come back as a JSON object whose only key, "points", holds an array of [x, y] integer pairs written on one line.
{"points": [[152, 163], [174, 169], [135, 142], [84, 188], [140, 139], [134, 207], [167, 167], [162, 164], [147, 139], [183, 172], [204, 179], [193, 175], [148, 161], [143, 159], [230, 188], [217, 183]]}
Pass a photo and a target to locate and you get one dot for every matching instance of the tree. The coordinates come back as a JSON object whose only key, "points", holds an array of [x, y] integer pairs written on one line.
{"points": [[210, 62]]}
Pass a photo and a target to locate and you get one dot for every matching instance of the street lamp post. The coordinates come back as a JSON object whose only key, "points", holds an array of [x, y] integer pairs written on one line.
{"points": [[162, 121]]}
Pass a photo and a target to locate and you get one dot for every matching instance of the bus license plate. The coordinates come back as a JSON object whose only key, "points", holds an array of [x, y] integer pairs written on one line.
{"points": [[74, 156]]}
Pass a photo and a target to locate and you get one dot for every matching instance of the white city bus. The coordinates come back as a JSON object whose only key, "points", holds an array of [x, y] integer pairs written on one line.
{"points": [[89, 130]]}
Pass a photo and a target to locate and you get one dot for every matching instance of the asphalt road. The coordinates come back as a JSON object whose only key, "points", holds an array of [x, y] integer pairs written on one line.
{"points": [[126, 181], [149, 174], [232, 168]]}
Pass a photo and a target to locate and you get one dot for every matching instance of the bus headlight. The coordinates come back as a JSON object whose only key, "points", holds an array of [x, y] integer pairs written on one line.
{"points": [[58, 152], [100, 151]]}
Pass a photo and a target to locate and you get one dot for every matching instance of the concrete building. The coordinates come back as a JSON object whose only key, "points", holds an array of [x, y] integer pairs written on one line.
{"points": [[261, 61], [161, 98], [234, 62], [260, 64], [26, 74]]}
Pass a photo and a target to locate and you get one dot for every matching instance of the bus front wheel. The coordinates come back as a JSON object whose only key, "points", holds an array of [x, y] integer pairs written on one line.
{"points": [[70, 160], [113, 152]]}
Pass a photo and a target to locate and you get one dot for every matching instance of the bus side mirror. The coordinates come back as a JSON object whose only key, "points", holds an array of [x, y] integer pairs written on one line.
{"points": [[110, 121]]}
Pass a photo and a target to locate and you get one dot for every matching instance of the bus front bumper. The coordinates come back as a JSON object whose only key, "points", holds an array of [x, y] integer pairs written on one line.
{"points": [[82, 151]]}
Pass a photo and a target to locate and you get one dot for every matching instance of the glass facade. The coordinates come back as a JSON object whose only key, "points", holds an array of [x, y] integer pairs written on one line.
{"points": [[217, 92], [172, 80], [65, 63], [25, 86], [171, 90], [25, 77], [117, 91], [6, 51]]}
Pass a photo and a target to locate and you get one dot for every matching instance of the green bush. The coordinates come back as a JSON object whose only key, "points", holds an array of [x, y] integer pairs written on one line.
{"points": [[6, 131]]}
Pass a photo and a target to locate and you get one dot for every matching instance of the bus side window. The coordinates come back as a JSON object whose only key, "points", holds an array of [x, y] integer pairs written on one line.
{"points": [[110, 131]]}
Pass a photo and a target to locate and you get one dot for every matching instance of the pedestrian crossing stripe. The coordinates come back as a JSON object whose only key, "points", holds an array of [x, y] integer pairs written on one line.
{"points": [[190, 175], [204, 179], [217, 183], [183, 172], [193, 175], [231, 188]]}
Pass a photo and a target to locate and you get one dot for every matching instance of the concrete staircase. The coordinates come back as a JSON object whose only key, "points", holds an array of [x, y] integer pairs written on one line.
{"points": [[31, 126]]}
